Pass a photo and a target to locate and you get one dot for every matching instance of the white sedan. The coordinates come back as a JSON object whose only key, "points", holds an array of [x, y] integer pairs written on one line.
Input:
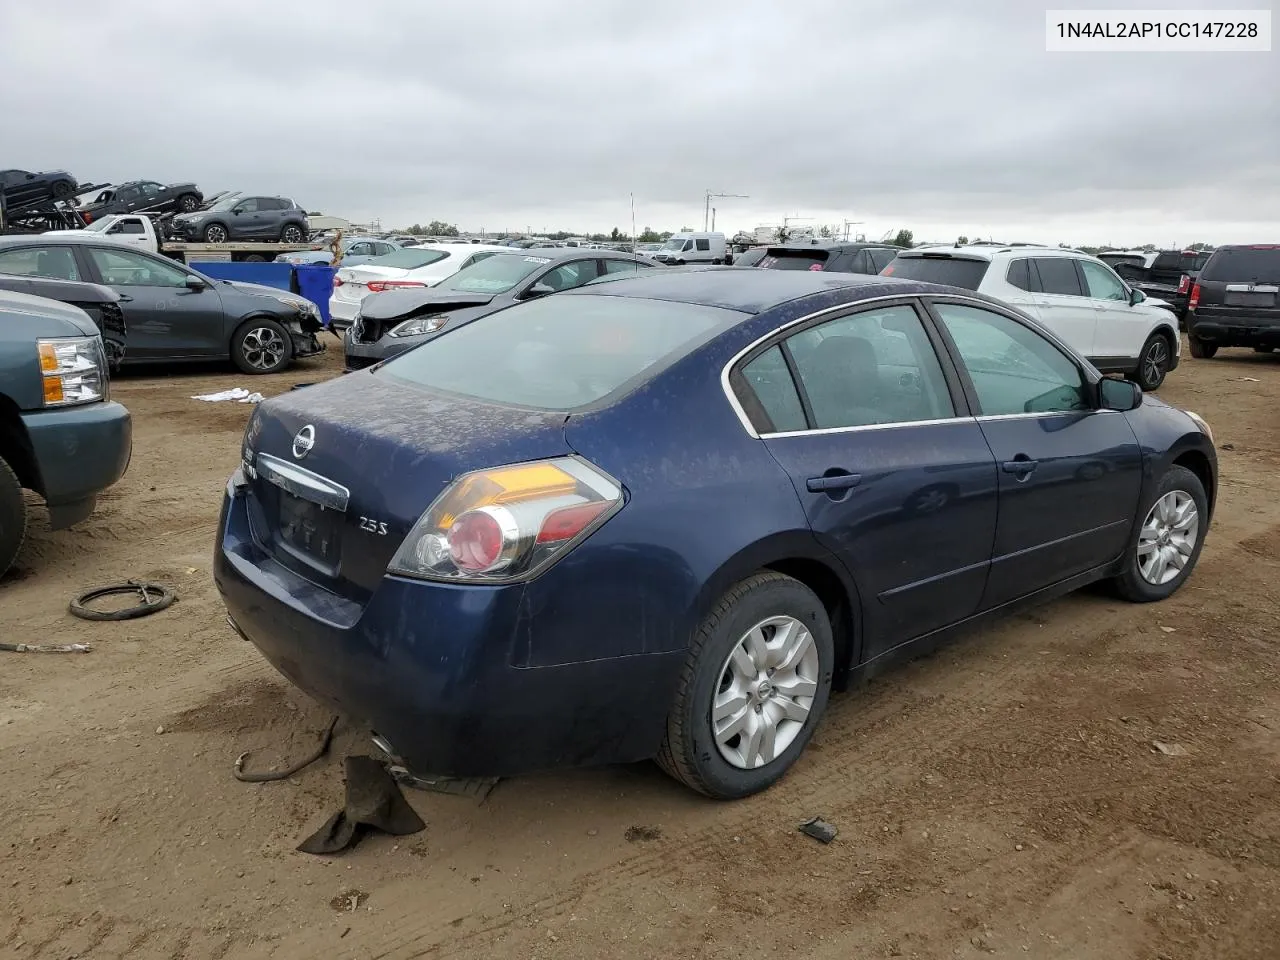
{"points": [[423, 266]]}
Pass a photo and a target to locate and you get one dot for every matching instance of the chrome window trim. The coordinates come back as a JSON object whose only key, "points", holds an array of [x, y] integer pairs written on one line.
{"points": [[902, 424], [303, 483]]}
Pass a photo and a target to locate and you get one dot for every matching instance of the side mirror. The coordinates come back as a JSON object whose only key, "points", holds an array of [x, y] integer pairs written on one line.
{"points": [[1121, 395], [1136, 296], [538, 290], [237, 211], [194, 283]]}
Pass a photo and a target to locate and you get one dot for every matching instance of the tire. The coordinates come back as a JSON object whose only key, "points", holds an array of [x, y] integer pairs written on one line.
{"points": [[292, 233], [1263, 349], [254, 258], [13, 517], [1177, 484], [690, 752], [1201, 349], [261, 346], [215, 233], [188, 203], [63, 189], [1153, 362]]}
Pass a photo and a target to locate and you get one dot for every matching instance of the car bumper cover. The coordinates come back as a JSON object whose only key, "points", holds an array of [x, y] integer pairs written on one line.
{"points": [[79, 451]]}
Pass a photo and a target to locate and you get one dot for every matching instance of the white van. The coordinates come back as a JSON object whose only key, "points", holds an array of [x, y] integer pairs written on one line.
{"points": [[692, 248]]}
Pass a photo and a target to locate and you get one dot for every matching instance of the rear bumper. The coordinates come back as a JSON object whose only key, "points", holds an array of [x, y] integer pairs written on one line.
{"points": [[79, 451], [1227, 327], [342, 312], [429, 667]]}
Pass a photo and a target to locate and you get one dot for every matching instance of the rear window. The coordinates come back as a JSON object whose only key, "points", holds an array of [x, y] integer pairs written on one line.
{"points": [[750, 258], [1179, 261], [409, 258], [560, 353], [1244, 264], [794, 260], [953, 271]]}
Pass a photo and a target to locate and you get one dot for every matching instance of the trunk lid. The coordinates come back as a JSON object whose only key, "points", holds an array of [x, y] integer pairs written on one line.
{"points": [[381, 451]]}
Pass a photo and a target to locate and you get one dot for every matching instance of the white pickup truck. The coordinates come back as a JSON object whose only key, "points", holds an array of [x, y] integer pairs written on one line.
{"points": [[138, 230]]}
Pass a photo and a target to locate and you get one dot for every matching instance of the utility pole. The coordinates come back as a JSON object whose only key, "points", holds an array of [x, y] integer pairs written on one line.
{"points": [[713, 218], [706, 208], [848, 224]]}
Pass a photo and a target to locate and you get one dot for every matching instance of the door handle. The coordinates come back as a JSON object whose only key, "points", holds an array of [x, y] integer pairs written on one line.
{"points": [[1020, 466], [833, 483]]}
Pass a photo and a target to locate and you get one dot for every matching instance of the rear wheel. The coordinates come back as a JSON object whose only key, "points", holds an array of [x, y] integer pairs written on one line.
{"points": [[13, 517], [292, 233], [1201, 349], [63, 189], [1153, 362], [261, 346], [1167, 545], [753, 689], [1263, 349], [215, 233]]}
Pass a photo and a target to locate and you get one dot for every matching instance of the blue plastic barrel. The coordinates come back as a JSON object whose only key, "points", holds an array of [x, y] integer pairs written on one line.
{"points": [[315, 282]]}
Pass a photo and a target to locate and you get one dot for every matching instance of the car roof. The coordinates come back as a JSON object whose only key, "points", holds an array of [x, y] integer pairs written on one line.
{"points": [[82, 236], [986, 251], [747, 289], [830, 245], [562, 253]]}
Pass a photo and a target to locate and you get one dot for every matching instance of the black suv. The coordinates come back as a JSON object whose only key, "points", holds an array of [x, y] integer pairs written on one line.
{"points": [[1235, 301], [1169, 278], [833, 256], [144, 195], [244, 218]]}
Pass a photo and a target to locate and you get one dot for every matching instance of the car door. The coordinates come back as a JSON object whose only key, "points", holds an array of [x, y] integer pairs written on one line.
{"points": [[894, 473], [127, 198], [1121, 331], [1058, 301], [245, 222], [1070, 474], [166, 318]]}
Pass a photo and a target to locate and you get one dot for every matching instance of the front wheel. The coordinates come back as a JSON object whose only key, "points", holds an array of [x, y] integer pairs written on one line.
{"points": [[215, 233], [753, 689], [261, 346], [1166, 547], [1153, 362], [1201, 349], [13, 517]]}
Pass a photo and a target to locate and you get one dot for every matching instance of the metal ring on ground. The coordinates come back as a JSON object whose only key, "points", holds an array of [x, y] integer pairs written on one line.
{"points": [[154, 598]]}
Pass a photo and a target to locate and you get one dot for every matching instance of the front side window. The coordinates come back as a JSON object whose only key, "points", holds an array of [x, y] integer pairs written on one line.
{"points": [[1058, 275], [1013, 369], [56, 263], [248, 206], [1102, 283], [125, 268], [871, 367]]}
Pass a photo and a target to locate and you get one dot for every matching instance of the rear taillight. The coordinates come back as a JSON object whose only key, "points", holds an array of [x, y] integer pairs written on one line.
{"points": [[1184, 284], [1195, 297], [378, 286], [507, 523], [88, 217]]}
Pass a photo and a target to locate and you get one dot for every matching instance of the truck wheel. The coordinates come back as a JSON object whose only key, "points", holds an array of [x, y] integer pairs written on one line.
{"points": [[188, 203], [1201, 349], [63, 189], [261, 345], [13, 517], [1153, 362], [292, 233], [215, 233]]}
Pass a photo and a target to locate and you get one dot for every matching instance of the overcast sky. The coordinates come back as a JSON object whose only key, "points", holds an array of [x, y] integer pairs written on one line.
{"points": [[941, 117]]}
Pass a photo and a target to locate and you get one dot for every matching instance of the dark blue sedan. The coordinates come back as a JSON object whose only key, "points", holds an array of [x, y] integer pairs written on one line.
{"points": [[663, 516]]}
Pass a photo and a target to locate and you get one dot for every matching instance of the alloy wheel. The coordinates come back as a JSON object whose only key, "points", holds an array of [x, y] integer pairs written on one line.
{"points": [[263, 348], [1168, 537], [216, 234], [1155, 361], [765, 694]]}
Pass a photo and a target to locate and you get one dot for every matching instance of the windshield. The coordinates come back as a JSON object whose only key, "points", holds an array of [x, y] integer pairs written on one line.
{"points": [[410, 258], [953, 271], [675, 243], [560, 353], [495, 274], [1244, 264], [99, 226]]}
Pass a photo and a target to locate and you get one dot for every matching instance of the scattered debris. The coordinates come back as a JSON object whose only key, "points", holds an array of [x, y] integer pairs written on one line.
{"points": [[238, 394], [1227, 446], [819, 829], [1169, 629], [160, 729], [154, 599], [349, 901], [636, 834], [45, 647], [373, 801], [1170, 749], [323, 748], [1248, 380], [477, 788]]}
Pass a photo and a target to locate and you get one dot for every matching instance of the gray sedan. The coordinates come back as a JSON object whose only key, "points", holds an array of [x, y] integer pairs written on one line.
{"points": [[397, 320]]}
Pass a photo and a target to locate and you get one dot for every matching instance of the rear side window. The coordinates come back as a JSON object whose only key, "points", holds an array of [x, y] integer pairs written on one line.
{"points": [[1244, 265], [770, 381], [704, 244], [1019, 274], [953, 271], [560, 353], [794, 260], [881, 258], [1058, 275]]}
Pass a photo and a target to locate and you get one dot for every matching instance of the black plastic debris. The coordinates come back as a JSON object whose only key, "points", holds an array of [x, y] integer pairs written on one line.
{"points": [[819, 829], [374, 801]]}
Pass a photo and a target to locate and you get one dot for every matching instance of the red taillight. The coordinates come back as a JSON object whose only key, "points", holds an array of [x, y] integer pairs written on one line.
{"points": [[1195, 297], [88, 217], [567, 522], [378, 286], [1184, 284], [475, 541], [337, 281]]}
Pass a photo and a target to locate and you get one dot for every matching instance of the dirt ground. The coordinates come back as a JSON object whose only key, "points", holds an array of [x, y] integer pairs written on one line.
{"points": [[1002, 798]]}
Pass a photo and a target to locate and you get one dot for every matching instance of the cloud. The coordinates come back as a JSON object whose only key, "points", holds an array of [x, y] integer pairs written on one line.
{"points": [[944, 117]]}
